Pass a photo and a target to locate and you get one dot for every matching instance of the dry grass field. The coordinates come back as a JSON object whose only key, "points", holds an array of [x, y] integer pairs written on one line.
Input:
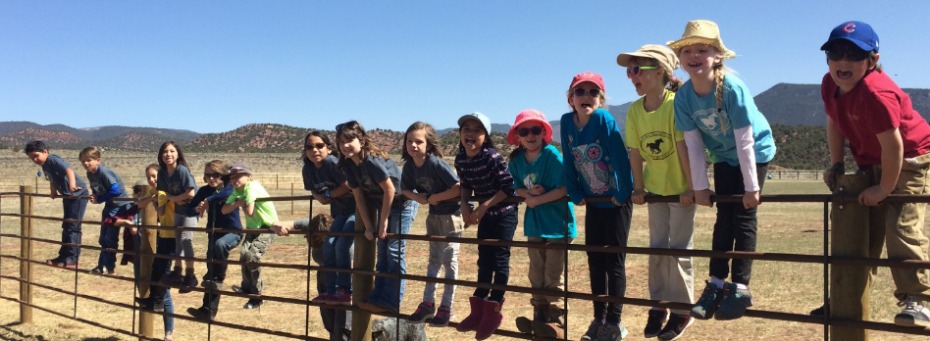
{"points": [[783, 228]]}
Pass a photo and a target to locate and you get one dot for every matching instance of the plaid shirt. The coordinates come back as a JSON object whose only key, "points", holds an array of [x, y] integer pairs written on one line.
{"points": [[486, 173]]}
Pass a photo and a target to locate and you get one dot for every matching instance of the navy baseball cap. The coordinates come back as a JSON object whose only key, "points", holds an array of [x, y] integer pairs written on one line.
{"points": [[856, 32]]}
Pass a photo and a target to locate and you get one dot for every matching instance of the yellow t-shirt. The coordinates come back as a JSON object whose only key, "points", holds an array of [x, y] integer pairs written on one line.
{"points": [[654, 135], [166, 219]]}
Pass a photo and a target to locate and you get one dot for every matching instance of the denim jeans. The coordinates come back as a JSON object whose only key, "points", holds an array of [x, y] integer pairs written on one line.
{"points": [[389, 292], [494, 261], [735, 229], [71, 230], [109, 239], [218, 248], [164, 246], [169, 310], [336, 255]]}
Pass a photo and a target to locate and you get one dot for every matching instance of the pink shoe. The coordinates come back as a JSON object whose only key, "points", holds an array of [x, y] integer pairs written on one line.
{"points": [[490, 321], [474, 317], [323, 298], [340, 298]]}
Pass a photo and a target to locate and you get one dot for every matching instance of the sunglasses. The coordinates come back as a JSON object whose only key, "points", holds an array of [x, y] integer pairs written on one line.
{"points": [[523, 132], [635, 70], [582, 92], [851, 54], [313, 146], [212, 175]]}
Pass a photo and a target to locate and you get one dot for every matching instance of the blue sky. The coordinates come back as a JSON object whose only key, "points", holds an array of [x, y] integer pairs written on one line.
{"points": [[212, 66]]}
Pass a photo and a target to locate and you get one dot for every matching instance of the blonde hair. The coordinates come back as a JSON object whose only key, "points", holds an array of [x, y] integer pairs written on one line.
{"points": [[92, 152]]}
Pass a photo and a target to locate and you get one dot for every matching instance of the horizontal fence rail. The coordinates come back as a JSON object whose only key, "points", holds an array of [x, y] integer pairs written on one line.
{"points": [[825, 259]]}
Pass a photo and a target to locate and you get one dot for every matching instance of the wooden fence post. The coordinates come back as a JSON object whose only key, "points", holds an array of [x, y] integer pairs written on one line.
{"points": [[849, 284], [147, 240], [25, 243], [361, 284]]}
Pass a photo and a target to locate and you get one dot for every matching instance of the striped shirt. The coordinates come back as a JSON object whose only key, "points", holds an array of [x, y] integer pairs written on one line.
{"points": [[486, 173]]}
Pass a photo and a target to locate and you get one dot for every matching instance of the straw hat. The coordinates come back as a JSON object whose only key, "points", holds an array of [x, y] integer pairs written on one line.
{"points": [[701, 32]]}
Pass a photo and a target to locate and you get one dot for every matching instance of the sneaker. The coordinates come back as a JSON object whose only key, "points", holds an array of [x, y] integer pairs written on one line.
{"points": [[237, 289], [202, 314], [99, 271], [820, 311], [654, 323], [189, 281], [426, 310], [614, 332], [340, 298], [676, 327], [734, 302], [213, 285], [595, 330], [253, 303], [914, 314], [707, 305], [443, 316]]}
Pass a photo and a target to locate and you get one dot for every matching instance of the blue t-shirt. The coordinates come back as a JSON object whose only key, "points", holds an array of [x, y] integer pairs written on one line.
{"points": [[106, 185], [435, 176], [179, 182], [55, 169], [596, 161], [716, 126], [370, 174], [553, 219], [324, 180], [215, 201]]}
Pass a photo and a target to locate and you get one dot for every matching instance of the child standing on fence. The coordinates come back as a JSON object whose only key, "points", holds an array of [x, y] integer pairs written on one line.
{"points": [[539, 178], [105, 186], [599, 166], [328, 186], [657, 156], [62, 182], [715, 110], [483, 173], [210, 200], [258, 215], [429, 180], [176, 180], [890, 142], [370, 171]]}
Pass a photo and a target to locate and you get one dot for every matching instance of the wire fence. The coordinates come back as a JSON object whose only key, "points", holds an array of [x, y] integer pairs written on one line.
{"points": [[26, 282]]}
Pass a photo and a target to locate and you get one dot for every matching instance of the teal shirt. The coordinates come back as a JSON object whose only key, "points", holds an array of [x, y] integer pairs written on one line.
{"points": [[552, 219], [265, 213]]}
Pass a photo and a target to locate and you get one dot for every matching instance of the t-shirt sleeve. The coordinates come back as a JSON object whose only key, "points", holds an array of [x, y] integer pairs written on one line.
{"points": [[444, 173], [683, 119], [515, 173], [554, 169], [632, 134], [738, 103], [886, 110], [377, 168], [306, 174], [350, 172], [187, 179], [503, 177]]}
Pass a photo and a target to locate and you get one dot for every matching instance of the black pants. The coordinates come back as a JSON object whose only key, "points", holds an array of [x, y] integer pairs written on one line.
{"points": [[160, 266], [494, 261], [607, 226], [735, 229]]}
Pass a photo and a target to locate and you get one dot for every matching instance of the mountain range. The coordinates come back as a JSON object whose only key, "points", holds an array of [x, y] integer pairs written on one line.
{"points": [[782, 104]]}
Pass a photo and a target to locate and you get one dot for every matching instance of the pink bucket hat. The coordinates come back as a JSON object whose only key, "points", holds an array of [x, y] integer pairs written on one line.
{"points": [[530, 115]]}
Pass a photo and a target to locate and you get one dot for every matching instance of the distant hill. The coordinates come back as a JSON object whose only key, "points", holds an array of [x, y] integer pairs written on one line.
{"points": [[794, 110]]}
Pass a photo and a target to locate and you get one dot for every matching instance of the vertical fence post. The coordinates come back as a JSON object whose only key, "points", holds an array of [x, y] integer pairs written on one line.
{"points": [[364, 260], [849, 284], [146, 258], [25, 242]]}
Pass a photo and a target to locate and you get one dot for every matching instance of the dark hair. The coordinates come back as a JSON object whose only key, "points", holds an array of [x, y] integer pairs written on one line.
{"points": [[322, 136], [161, 150], [35, 146], [354, 130], [432, 142]]}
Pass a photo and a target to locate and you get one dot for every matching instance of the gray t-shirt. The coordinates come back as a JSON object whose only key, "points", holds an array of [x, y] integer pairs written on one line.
{"points": [[55, 169], [435, 176], [179, 182], [369, 175], [325, 179], [104, 183]]}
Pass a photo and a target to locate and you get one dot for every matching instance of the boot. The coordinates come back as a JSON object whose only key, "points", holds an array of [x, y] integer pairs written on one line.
{"points": [[490, 321], [525, 325], [474, 317], [551, 323]]}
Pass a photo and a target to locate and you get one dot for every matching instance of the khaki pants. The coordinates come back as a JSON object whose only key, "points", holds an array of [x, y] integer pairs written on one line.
{"points": [[671, 278], [902, 225], [546, 270]]}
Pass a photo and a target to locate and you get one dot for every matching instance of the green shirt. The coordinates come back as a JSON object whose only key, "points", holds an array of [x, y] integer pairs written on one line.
{"points": [[264, 214]]}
